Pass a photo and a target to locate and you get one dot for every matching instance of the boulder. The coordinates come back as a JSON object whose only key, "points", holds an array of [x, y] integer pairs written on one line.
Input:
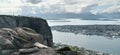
{"points": [[23, 41], [38, 51], [21, 37]]}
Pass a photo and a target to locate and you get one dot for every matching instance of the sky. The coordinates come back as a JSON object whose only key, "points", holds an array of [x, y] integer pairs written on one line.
{"points": [[85, 9]]}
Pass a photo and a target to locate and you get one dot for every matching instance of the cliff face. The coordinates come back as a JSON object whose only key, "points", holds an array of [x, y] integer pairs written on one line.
{"points": [[37, 24]]}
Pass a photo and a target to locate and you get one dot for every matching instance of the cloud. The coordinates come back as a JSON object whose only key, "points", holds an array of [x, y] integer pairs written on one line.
{"points": [[33, 1], [108, 6], [10, 7], [66, 8], [72, 9], [111, 12], [112, 9], [58, 11]]}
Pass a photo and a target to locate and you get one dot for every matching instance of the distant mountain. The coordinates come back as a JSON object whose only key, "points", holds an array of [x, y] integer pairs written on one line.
{"points": [[111, 15], [86, 16]]}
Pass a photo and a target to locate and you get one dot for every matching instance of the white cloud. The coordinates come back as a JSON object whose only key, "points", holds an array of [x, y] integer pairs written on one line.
{"points": [[112, 9], [10, 6], [32, 1], [59, 6], [108, 2], [54, 1]]}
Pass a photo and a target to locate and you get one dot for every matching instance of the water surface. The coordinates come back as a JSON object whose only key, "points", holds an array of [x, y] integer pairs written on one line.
{"points": [[92, 42]]}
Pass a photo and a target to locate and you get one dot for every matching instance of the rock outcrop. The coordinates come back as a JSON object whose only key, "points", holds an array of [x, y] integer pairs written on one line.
{"points": [[23, 41], [37, 24], [20, 37]]}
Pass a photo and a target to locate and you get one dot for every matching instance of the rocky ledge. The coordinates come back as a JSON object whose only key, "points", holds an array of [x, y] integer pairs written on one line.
{"points": [[20, 39], [35, 23]]}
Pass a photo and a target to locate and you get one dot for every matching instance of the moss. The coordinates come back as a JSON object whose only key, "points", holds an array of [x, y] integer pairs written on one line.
{"points": [[79, 50], [74, 48]]}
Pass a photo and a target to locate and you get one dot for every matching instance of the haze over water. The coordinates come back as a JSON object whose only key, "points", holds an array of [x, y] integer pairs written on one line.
{"points": [[83, 22]]}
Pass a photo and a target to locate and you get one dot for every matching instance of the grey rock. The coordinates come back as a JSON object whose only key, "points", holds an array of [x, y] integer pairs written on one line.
{"points": [[27, 51], [20, 37], [22, 41], [37, 24], [42, 51]]}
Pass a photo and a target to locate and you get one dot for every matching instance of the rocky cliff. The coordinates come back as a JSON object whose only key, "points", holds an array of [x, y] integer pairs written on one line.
{"points": [[22, 41], [35, 23]]}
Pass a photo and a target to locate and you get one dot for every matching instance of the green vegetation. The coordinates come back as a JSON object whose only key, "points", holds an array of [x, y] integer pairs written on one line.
{"points": [[72, 48], [79, 50]]}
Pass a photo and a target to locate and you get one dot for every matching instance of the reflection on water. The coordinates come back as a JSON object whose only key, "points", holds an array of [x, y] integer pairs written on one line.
{"points": [[92, 42]]}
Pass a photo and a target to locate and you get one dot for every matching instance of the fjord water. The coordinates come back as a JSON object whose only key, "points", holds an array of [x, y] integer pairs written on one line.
{"points": [[92, 42]]}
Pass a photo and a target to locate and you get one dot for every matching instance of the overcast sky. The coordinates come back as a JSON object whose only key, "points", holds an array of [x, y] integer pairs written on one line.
{"points": [[59, 8]]}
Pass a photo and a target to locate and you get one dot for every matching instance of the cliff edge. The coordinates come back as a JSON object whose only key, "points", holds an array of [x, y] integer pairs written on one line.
{"points": [[39, 25]]}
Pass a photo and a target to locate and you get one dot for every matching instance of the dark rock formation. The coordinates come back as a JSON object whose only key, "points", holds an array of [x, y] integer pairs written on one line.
{"points": [[41, 51], [66, 51], [22, 41], [19, 38], [37, 24]]}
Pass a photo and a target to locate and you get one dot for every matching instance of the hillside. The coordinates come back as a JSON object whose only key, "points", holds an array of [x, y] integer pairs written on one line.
{"points": [[108, 31]]}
